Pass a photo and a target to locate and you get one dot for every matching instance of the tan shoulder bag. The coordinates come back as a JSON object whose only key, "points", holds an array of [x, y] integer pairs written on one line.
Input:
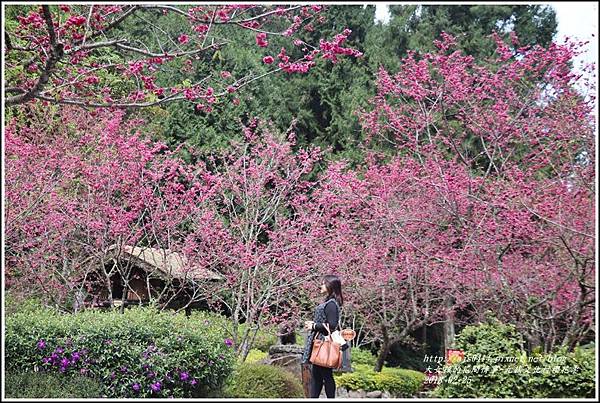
{"points": [[326, 353]]}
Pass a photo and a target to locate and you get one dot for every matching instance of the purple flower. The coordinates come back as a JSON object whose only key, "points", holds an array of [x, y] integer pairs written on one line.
{"points": [[184, 376], [136, 386], [155, 387], [41, 344], [46, 360], [62, 369], [112, 375], [64, 362], [59, 350], [75, 357], [123, 369], [83, 371], [229, 342], [193, 382], [150, 374]]}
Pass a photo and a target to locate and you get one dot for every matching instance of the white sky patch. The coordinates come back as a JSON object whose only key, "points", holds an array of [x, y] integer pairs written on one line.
{"points": [[578, 20]]}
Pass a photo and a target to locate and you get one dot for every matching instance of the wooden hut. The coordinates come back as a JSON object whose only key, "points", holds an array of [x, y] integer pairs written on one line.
{"points": [[143, 272]]}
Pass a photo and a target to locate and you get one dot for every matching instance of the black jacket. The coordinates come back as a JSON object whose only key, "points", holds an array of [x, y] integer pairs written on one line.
{"points": [[333, 317]]}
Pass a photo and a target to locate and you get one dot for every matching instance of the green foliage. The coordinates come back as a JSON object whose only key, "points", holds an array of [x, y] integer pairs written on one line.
{"points": [[255, 355], [15, 304], [324, 101], [397, 381], [489, 344], [41, 385], [364, 357], [143, 346], [564, 374], [265, 338], [407, 355], [496, 366], [263, 381]]}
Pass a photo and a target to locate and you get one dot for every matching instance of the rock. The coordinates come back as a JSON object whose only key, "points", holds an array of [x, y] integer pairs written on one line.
{"points": [[341, 392], [385, 395], [285, 349], [288, 356], [424, 395], [374, 394], [290, 363], [353, 394]]}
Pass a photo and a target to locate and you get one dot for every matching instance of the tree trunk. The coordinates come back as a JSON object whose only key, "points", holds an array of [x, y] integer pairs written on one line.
{"points": [[449, 326], [78, 300], [385, 349]]}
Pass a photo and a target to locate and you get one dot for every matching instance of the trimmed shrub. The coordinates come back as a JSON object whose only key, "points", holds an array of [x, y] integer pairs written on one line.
{"points": [[398, 382], [255, 355], [361, 356], [494, 366], [16, 304], [141, 353], [487, 347], [50, 386], [263, 381], [563, 373]]}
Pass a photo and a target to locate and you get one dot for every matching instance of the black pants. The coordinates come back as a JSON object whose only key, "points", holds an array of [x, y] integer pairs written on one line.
{"points": [[320, 376]]}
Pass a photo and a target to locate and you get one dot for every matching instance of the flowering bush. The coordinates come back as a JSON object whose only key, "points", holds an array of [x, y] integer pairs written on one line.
{"points": [[141, 353]]}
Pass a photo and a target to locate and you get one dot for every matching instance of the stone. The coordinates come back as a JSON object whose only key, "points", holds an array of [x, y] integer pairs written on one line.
{"points": [[341, 392], [288, 357], [385, 395], [374, 394], [285, 349], [353, 394]]}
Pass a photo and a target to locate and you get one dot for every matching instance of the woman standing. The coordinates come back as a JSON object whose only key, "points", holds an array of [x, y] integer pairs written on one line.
{"points": [[326, 312]]}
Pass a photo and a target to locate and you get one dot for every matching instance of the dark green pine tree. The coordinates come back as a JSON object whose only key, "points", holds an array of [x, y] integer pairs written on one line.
{"points": [[324, 101]]}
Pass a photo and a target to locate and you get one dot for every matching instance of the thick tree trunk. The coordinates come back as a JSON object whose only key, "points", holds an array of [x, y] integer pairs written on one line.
{"points": [[384, 350]]}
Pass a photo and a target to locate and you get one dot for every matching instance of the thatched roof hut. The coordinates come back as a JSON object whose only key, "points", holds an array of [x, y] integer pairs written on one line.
{"points": [[162, 263]]}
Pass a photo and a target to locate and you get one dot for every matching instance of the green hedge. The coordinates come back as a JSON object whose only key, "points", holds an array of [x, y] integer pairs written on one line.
{"points": [[495, 367], [50, 386], [255, 355], [141, 353], [563, 373], [263, 381], [397, 381], [364, 357]]}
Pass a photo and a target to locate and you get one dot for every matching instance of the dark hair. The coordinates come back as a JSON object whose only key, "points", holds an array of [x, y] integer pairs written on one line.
{"points": [[334, 288]]}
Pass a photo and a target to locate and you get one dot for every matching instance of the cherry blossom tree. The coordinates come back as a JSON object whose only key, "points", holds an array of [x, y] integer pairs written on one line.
{"points": [[257, 182], [509, 152], [85, 55], [80, 185]]}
